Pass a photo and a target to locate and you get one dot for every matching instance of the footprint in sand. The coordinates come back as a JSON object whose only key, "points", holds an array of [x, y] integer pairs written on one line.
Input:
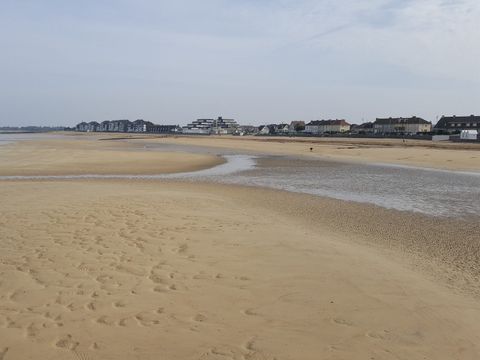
{"points": [[341, 321], [140, 247], [119, 304], [72, 307], [32, 331], [3, 353], [250, 312], [91, 306], [157, 279], [83, 267], [105, 320], [222, 353], [200, 318], [147, 319], [375, 335], [127, 322], [254, 353], [378, 335], [67, 343], [182, 249], [160, 289], [80, 355]]}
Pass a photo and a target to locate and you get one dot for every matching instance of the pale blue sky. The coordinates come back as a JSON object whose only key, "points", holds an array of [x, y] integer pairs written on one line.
{"points": [[65, 61]]}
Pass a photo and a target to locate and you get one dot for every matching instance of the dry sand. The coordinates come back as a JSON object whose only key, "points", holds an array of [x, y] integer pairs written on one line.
{"points": [[89, 156], [122, 270], [104, 269]]}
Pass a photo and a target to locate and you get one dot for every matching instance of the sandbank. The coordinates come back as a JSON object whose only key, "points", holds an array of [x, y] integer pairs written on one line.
{"points": [[451, 156], [91, 156]]}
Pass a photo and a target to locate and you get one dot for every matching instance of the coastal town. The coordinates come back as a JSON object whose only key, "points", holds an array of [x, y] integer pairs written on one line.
{"points": [[456, 128]]}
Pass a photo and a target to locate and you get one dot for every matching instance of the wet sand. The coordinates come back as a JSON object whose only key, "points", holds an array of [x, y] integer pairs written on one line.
{"points": [[451, 156], [126, 269]]}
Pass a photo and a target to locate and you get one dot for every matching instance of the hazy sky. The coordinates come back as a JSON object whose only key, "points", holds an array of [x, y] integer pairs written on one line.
{"points": [[258, 61]]}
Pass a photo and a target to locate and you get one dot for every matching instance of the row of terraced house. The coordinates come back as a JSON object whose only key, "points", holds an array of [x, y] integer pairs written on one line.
{"points": [[381, 126], [217, 126], [412, 125], [137, 126], [408, 126]]}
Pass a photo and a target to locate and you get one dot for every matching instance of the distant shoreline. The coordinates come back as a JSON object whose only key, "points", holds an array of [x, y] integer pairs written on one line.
{"points": [[24, 132]]}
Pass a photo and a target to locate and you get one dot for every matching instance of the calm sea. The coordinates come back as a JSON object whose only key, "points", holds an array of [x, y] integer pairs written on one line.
{"points": [[9, 138]]}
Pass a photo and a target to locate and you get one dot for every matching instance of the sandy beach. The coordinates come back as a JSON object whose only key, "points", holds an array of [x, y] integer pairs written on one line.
{"points": [[89, 156], [136, 269], [420, 153], [451, 156]]}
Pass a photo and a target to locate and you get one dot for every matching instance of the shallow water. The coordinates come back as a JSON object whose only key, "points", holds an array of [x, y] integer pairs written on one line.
{"points": [[429, 191], [233, 164], [433, 192], [439, 193]]}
